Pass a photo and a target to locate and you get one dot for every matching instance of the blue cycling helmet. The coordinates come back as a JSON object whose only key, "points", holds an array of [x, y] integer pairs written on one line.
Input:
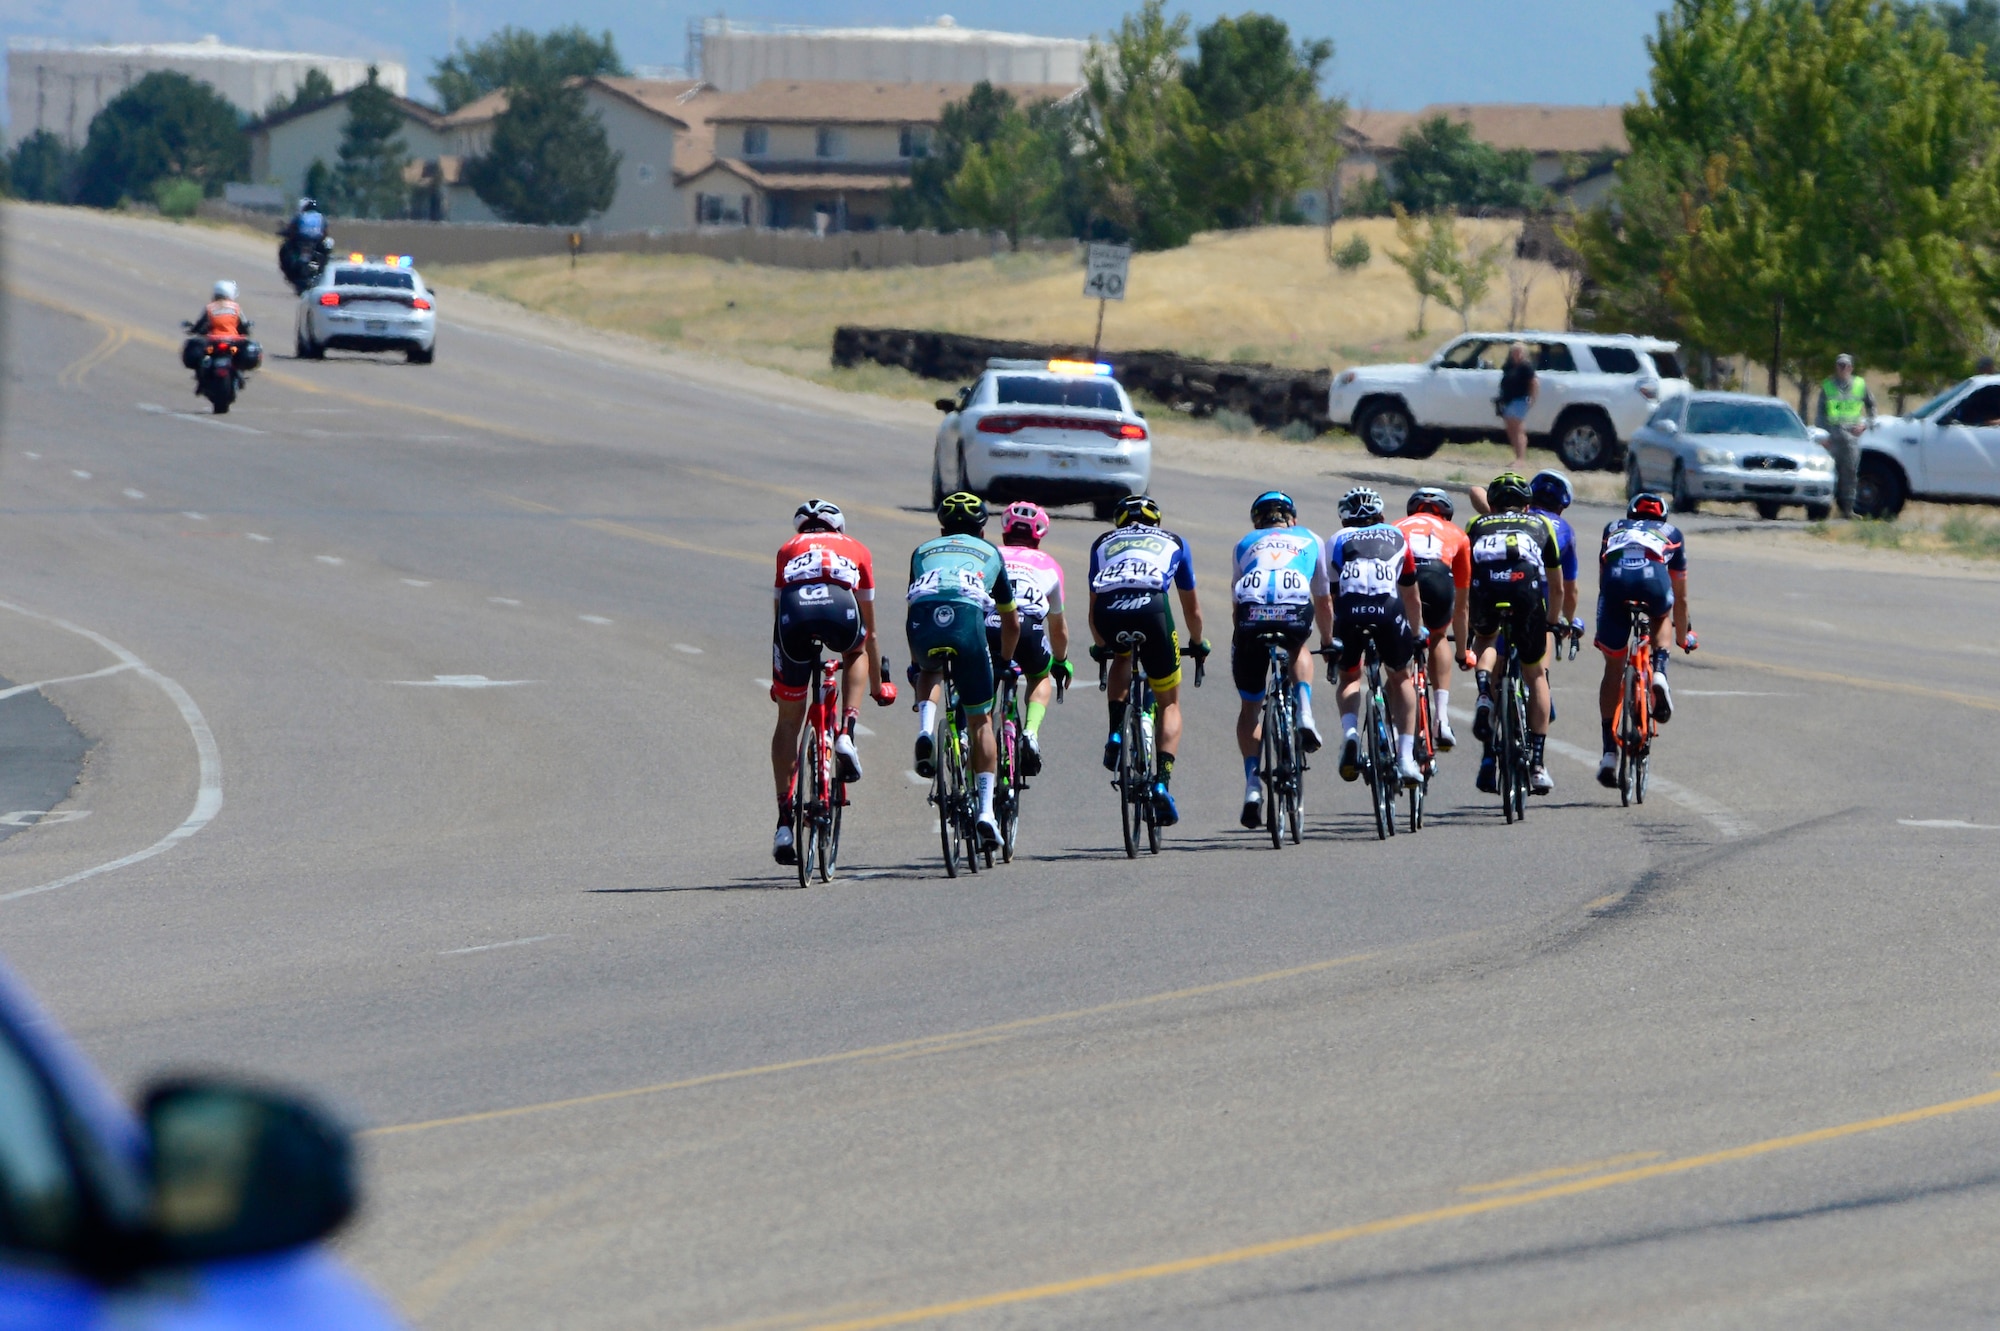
{"points": [[1551, 491], [1273, 501]]}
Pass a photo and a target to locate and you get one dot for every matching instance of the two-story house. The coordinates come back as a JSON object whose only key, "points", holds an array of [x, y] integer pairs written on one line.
{"points": [[284, 147], [823, 156]]}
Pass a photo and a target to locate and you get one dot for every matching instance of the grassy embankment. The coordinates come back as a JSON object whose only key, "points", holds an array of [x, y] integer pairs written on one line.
{"points": [[1265, 295], [1922, 529]]}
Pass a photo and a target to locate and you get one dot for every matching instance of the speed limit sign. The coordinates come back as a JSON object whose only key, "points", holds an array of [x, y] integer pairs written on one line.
{"points": [[1105, 277]]}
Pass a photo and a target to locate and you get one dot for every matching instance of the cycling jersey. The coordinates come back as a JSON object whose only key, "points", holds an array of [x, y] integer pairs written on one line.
{"points": [[955, 581], [960, 568], [1637, 562], [1277, 568], [1512, 552], [826, 557], [1037, 581], [1641, 540], [1435, 540], [1565, 540], [1140, 559], [1370, 563]]}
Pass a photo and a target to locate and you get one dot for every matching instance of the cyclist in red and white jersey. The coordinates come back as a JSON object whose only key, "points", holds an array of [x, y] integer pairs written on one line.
{"points": [[825, 598], [1444, 586]]}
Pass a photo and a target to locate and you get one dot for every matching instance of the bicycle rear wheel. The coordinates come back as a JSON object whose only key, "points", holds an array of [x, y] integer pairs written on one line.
{"points": [[805, 796], [830, 839], [1132, 797], [1148, 770], [1504, 743], [1523, 767], [941, 796], [1271, 771], [1377, 769], [965, 801], [1628, 733]]}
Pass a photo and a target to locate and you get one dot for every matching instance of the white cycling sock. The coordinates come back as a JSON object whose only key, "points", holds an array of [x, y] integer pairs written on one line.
{"points": [[985, 783], [1441, 703], [1305, 705], [1407, 746], [1350, 725], [926, 717]]}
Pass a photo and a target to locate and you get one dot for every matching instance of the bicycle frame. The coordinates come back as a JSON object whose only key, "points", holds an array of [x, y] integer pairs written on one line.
{"points": [[1510, 740], [818, 793], [1425, 723], [951, 792], [1281, 764], [1137, 763], [1633, 725]]}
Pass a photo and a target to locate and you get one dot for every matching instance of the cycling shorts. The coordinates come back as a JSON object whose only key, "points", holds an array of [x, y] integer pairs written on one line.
{"points": [[1031, 650], [1621, 584], [954, 631], [1125, 612], [1521, 611], [1250, 657], [811, 616], [1437, 592], [1386, 626]]}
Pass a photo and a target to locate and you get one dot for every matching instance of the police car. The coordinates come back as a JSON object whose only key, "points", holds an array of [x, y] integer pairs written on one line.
{"points": [[1052, 432], [363, 304]]}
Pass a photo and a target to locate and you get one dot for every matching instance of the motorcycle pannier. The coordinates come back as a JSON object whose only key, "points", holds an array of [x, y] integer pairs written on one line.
{"points": [[251, 356], [191, 352]]}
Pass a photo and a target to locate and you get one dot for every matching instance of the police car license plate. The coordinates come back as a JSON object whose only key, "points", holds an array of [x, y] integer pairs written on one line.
{"points": [[1063, 461], [378, 325]]}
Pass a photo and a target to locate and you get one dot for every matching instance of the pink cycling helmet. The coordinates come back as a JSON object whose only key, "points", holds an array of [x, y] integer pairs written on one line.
{"points": [[1025, 517]]}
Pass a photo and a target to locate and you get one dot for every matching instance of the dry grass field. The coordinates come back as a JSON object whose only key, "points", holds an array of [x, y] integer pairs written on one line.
{"points": [[1264, 295]]}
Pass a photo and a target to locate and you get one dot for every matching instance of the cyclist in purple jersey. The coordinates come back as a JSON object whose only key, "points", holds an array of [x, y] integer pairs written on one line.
{"points": [[1641, 560]]}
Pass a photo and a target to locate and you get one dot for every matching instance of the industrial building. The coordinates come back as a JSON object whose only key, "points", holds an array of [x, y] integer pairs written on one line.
{"points": [[61, 88], [735, 57]]}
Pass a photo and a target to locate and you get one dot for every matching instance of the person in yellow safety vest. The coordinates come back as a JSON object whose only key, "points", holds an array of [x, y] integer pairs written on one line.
{"points": [[1846, 408]]}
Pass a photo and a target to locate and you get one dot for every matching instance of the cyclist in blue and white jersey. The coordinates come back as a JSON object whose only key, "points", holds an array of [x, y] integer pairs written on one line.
{"points": [[1280, 584], [1642, 558], [1549, 494]]}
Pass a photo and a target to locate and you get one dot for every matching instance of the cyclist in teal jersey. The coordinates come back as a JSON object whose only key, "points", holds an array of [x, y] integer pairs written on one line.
{"points": [[954, 580]]}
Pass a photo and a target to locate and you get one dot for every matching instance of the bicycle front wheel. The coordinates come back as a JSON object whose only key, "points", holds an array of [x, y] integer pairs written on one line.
{"points": [[806, 794], [1271, 767]]}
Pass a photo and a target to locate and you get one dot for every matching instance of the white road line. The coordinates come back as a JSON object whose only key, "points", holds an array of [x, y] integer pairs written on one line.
{"points": [[80, 475], [415, 582], [502, 600], [760, 682], [593, 619], [489, 947], [330, 559], [19, 689], [1953, 824], [212, 423], [135, 494], [863, 731], [256, 536], [460, 682], [36, 456], [690, 650], [194, 517], [1730, 693], [208, 781]]}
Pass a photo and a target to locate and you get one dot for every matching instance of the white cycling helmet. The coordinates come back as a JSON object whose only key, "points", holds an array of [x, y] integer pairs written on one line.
{"points": [[821, 512], [225, 289]]}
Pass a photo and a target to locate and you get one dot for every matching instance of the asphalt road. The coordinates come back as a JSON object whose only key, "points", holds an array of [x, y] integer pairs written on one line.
{"points": [[1728, 1059]]}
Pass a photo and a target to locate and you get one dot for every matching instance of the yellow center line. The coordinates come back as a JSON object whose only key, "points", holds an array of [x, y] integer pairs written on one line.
{"points": [[924, 1043], [1562, 1171], [1855, 681], [79, 369], [1408, 1220]]}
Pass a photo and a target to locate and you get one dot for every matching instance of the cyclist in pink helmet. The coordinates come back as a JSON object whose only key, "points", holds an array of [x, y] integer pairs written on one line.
{"points": [[1043, 649]]}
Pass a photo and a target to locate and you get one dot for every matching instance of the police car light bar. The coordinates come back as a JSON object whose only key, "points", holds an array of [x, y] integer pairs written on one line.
{"points": [[387, 260], [1078, 367]]}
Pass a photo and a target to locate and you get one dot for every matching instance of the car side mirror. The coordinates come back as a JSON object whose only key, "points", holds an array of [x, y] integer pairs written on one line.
{"points": [[1668, 427], [946, 404], [239, 1171]]}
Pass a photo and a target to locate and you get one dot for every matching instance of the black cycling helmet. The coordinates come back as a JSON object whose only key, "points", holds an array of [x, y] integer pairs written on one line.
{"points": [[1509, 490], [1360, 507], [1647, 505], [1139, 509], [962, 513], [1551, 491], [1272, 502], [1431, 500]]}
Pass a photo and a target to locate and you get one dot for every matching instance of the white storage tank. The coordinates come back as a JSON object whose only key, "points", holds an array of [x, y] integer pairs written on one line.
{"points": [[736, 57]]}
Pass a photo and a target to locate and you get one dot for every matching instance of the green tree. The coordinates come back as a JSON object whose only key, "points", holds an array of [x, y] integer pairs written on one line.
{"points": [[313, 89], [973, 123], [42, 169], [1134, 141], [518, 58], [1465, 269], [1256, 139], [1430, 248], [549, 162], [1009, 183], [164, 125], [1439, 164], [368, 180]]}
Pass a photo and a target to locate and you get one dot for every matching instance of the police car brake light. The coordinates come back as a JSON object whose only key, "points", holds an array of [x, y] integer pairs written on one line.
{"points": [[1078, 367], [329, 298]]}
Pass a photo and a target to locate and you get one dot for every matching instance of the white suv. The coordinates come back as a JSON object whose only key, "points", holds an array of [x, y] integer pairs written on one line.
{"points": [[1595, 390], [1052, 432]]}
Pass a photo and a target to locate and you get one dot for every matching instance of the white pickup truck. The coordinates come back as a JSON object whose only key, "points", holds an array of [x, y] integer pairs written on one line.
{"points": [[1949, 448], [1595, 390]]}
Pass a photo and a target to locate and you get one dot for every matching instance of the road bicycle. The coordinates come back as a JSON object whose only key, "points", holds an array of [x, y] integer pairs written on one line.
{"points": [[1138, 777], [1632, 724], [1513, 765], [818, 793], [1281, 762], [1378, 735], [1009, 784], [952, 791], [1425, 749]]}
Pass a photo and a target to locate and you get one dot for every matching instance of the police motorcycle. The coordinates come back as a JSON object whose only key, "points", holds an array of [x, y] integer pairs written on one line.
{"points": [[220, 360], [305, 247]]}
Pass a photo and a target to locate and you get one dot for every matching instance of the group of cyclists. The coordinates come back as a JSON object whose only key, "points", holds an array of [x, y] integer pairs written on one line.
{"points": [[1419, 583]]}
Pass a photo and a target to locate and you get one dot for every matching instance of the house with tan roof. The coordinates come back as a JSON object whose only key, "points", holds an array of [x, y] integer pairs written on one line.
{"points": [[801, 153], [284, 147], [1573, 147]]}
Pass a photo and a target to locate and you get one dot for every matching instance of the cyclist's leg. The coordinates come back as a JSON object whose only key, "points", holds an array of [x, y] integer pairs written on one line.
{"points": [[929, 642], [1397, 642], [1249, 669], [1530, 635], [1614, 636], [794, 661], [1346, 670], [1661, 588]]}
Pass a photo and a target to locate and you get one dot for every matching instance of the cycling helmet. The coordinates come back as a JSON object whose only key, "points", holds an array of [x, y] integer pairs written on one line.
{"points": [[308, 205], [963, 513], [1024, 519], [1360, 507], [1508, 490], [225, 289], [1138, 509], [1551, 490], [1430, 500], [1646, 505], [1272, 502], [818, 513]]}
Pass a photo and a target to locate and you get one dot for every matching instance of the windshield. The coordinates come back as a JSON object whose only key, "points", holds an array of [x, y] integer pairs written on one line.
{"points": [[1098, 393], [1929, 408], [1770, 420], [374, 277]]}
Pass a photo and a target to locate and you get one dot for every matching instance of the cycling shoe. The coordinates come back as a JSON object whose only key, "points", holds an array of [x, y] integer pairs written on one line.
{"points": [[1166, 810], [926, 759], [1489, 777]]}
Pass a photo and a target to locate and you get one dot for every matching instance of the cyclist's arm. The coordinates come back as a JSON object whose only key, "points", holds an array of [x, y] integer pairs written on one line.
{"points": [[1010, 630], [1191, 612], [1681, 611], [1461, 619], [1477, 494], [1406, 583], [1058, 626], [871, 644], [1323, 615]]}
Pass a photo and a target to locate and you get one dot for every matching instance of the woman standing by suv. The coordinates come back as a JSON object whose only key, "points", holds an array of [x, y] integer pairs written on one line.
{"points": [[1518, 391]]}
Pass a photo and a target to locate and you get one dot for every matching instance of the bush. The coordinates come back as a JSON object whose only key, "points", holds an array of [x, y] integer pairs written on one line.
{"points": [[1354, 254], [177, 197], [1298, 432], [1236, 422]]}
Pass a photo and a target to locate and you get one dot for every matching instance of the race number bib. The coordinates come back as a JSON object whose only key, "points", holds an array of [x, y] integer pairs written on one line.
{"points": [[1506, 547], [1367, 577], [1129, 575], [1273, 586], [822, 566], [1030, 599], [1634, 544], [1426, 544]]}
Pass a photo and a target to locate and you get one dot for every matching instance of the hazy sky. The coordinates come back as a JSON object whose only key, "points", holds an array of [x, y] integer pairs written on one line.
{"points": [[1391, 54]]}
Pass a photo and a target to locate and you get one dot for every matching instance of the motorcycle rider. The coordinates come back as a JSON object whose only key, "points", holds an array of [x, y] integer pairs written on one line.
{"points": [[1846, 408], [222, 316], [304, 234]]}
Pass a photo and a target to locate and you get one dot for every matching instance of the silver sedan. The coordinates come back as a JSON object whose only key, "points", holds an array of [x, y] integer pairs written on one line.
{"points": [[1732, 447]]}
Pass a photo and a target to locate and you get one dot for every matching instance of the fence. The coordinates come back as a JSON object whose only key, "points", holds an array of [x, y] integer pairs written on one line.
{"points": [[1271, 395], [443, 243]]}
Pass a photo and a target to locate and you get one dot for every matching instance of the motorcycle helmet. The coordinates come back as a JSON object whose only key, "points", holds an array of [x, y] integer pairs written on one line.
{"points": [[1551, 491], [1025, 521], [1269, 505], [819, 513], [1137, 509], [1360, 507], [225, 289], [962, 513], [308, 205], [1430, 500], [1646, 505], [1508, 490]]}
